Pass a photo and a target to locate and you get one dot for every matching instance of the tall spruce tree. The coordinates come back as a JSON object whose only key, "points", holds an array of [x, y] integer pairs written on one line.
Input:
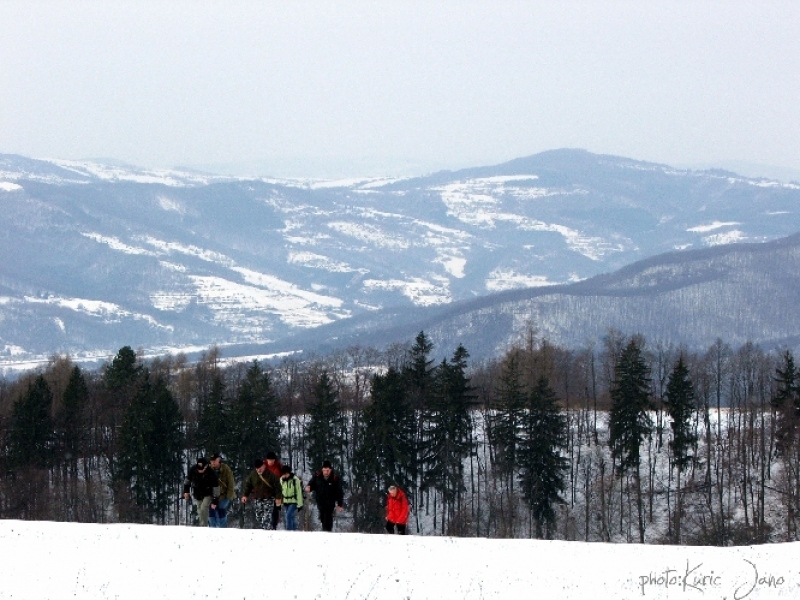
{"points": [[71, 419], [72, 442], [31, 433], [542, 464], [123, 370], [121, 381], [506, 421], [448, 433], [680, 401], [150, 462], [254, 423], [213, 427], [418, 373], [786, 403], [326, 430], [629, 421], [386, 452]]}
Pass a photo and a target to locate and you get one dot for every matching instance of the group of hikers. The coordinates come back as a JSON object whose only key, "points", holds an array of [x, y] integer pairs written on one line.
{"points": [[271, 488]]}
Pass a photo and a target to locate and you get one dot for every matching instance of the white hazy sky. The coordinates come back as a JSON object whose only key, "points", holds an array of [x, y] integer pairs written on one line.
{"points": [[306, 85]]}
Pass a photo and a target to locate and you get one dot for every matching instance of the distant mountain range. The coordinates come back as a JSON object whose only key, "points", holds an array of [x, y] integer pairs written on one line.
{"points": [[95, 257], [738, 293]]}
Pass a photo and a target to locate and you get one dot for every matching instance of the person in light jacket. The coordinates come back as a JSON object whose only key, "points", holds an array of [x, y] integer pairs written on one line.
{"points": [[292, 497], [396, 510]]}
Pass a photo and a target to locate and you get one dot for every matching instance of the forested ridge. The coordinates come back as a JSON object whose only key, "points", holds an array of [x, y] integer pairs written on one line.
{"points": [[623, 442]]}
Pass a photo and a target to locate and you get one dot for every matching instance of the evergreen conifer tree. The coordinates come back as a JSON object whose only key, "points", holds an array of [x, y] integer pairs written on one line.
{"points": [[786, 403], [418, 373], [506, 422], [448, 432], [213, 427], [542, 464], [254, 424], [72, 441], [121, 381], [326, 429], [680, 401], [629, 421], [385, 454], [31, 433], [123, 370], [71, 418], [150, 463]]}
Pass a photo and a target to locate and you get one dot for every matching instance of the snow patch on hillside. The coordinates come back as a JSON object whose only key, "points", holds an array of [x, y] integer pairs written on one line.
{"points": [[507, 279], [117, 244], [171, 205], [167, 247], [370, 234], [285, 288], [479, 203], [107, 311], [712, 226], [318, 261], [171, 178], [229, 300], [421, 292], [170, 301], [454, 265], [729, 237]]}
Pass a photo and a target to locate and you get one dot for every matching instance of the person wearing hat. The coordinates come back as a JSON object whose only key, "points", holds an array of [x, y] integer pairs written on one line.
{"points": [[292, 497], [265, 489], [396, 510], [328, 493], [274, 465], [204, 486], [227, 492]]}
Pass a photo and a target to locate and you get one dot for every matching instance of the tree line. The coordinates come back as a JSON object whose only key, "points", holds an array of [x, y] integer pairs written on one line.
{"points": [[626, 441]]}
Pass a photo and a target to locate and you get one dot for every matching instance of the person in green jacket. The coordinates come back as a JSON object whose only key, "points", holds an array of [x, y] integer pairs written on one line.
{"points": [[264, 488], [227, 492], [292, 497]]}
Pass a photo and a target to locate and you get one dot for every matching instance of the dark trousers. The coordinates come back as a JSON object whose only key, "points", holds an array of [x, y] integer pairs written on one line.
{"points": [[276, 513], [326, 517], [401, 528]]}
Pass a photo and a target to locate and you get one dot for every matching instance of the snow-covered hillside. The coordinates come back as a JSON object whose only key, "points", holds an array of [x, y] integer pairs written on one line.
{"points": [[96, 257], [52, 561]]}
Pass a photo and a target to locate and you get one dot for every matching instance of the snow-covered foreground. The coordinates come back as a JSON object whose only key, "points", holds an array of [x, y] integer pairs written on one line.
{"points": [[42, 560]]}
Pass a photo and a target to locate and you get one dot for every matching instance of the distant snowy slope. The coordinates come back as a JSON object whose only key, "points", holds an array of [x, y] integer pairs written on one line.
{"points": [[97, 256], [738, 293]]}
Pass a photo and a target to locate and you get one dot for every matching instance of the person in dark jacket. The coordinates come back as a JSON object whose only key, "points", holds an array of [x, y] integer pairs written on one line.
{"points": [[328, 493], [204, 486], [274, 465], [227, 492], [265, 489]]}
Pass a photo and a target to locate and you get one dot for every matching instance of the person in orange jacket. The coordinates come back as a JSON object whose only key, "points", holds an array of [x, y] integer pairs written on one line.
{"points": [[396, 510]]}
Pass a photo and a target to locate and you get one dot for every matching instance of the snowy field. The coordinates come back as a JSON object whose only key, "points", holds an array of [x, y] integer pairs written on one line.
{"points": [[47, 560]]}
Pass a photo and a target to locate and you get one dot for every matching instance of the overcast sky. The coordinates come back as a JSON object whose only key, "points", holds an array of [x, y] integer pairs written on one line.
{"points": [[302, 87]]}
